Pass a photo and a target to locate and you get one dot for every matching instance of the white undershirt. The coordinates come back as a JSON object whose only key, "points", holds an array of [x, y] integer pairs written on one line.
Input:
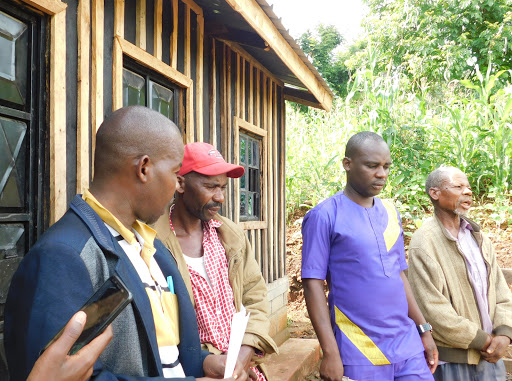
{"points": [[197, 265]]}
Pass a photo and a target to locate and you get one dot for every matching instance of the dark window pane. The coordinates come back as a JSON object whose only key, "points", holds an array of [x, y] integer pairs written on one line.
{"points": [[255, 153], [11, 242], [242, 150], [13, 59], [242, 204], [249, 153], [161, 99], [134, 89], [12, 162]]}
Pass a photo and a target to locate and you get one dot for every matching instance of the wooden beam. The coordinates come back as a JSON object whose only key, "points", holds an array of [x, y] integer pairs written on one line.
{"points": [[252, 12], [257, 247], [117, 56], [257, 119], [174, 35], [271, 222], [117, 75], [250, 225], [229, 124], [119, 18], [237, 87], [157, 30], [58, 199], [242, 98], [282, 173], [250, 110], [276, 191], [236, 160], [83, 96], [194, 7], [153, 63], [243, 53], [140, 24], [240, 123], [213, 95], [50, 7], [187, 57], [223, 103], [265, 187], [199, 78], [97, 17], [301, 96]]}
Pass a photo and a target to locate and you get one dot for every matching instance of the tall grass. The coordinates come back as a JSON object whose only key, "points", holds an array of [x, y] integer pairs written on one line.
{"points": [[469, 126]]}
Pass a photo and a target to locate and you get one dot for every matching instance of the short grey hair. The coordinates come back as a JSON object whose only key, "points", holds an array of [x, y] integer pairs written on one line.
{"points": [[437, 176]]}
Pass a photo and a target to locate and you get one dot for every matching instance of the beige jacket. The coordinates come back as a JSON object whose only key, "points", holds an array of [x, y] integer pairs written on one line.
{"points": [[245, 277], [440, 281]]}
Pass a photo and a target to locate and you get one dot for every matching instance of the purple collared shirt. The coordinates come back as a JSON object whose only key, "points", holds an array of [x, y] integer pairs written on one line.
{"points": [[345, 244]]}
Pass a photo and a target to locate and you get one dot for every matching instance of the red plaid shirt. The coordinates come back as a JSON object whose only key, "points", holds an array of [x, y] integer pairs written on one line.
{"points": [[215, 306]]}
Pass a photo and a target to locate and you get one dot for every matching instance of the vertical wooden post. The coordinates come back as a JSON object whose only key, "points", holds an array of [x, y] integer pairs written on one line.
{"points": [[58, 199], [174, 35], [96, 71], [237, 86], [229, 126], [157, 30], [257, 121], [140, 24], [117, 56], [271, 224], [250, 110], [266, 178], [242, 98], [83, 96], [213, 95], [276, 190], [199, 78], [189, 124], [282, 212]]}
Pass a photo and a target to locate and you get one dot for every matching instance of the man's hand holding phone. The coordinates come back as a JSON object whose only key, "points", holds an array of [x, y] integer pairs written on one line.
{"points": [[56, 365]]}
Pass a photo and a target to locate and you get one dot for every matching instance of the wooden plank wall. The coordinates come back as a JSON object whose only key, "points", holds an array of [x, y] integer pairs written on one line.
{"points": [[258, 110], [242, 96]]}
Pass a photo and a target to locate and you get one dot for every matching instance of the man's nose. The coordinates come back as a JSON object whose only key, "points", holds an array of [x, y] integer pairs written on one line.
{"points": [[381, 172], [219, 196], [467, 191]]}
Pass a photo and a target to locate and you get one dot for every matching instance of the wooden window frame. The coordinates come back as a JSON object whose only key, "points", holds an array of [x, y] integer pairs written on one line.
{"points": [[56, 9], [241, 124]]}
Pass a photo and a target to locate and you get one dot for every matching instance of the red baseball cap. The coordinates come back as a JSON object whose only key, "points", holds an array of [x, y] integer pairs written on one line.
{"points": [[204, 158]]}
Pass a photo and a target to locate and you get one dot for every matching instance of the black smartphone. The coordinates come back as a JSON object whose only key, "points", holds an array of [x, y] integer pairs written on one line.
{"points": [[101, 309]]}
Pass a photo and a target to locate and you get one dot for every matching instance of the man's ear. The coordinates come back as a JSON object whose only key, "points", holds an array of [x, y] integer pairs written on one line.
{"points": [[180, 184], [434, 193], [143, 168], [346, 163]]}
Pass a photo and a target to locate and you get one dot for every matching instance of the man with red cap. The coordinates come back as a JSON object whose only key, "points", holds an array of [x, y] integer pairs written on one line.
{"points": [[215, 258]]}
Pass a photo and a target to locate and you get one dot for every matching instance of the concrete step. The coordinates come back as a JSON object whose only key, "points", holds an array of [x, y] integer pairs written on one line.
{"points": [[297, 358]]}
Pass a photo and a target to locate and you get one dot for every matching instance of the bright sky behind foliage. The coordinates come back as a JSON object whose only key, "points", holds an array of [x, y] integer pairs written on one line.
{"points": [[300, 15]]}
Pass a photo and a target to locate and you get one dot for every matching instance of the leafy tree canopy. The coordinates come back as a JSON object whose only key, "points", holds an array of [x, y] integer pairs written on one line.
{"points": [[438, 39]]}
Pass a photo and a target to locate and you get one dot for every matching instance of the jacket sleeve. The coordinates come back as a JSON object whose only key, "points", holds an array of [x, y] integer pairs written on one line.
{"points": [[502, 321], [427, 282], [254, 299]]}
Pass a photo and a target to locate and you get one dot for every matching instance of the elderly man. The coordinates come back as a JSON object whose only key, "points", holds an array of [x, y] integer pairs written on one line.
{"points": [[354, 240], [458, 284], [214, 256], [138, 154]]}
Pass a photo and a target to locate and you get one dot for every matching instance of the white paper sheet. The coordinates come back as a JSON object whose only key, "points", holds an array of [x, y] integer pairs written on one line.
{"points": [[238, 326]]}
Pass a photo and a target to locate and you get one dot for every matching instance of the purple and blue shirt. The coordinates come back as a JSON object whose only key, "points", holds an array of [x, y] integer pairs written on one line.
{"points": [[360, 252]]}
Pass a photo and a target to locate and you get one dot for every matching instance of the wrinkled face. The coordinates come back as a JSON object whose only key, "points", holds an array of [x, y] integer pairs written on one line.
{"points": [[455, 194], [203, 195], [368, 169], [162, 184]]}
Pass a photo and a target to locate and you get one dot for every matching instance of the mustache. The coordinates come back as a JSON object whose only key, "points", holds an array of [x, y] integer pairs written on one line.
{"points": [[213, 205]]}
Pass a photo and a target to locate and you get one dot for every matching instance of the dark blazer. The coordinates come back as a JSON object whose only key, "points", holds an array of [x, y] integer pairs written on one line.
{"points": [[57, 276]]}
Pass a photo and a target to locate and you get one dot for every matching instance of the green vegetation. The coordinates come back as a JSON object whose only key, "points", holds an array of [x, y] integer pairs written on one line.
{"points": [[468, 126]]}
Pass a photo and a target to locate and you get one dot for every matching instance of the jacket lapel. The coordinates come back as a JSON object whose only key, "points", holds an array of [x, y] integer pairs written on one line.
{"points": [[123, 268]]}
